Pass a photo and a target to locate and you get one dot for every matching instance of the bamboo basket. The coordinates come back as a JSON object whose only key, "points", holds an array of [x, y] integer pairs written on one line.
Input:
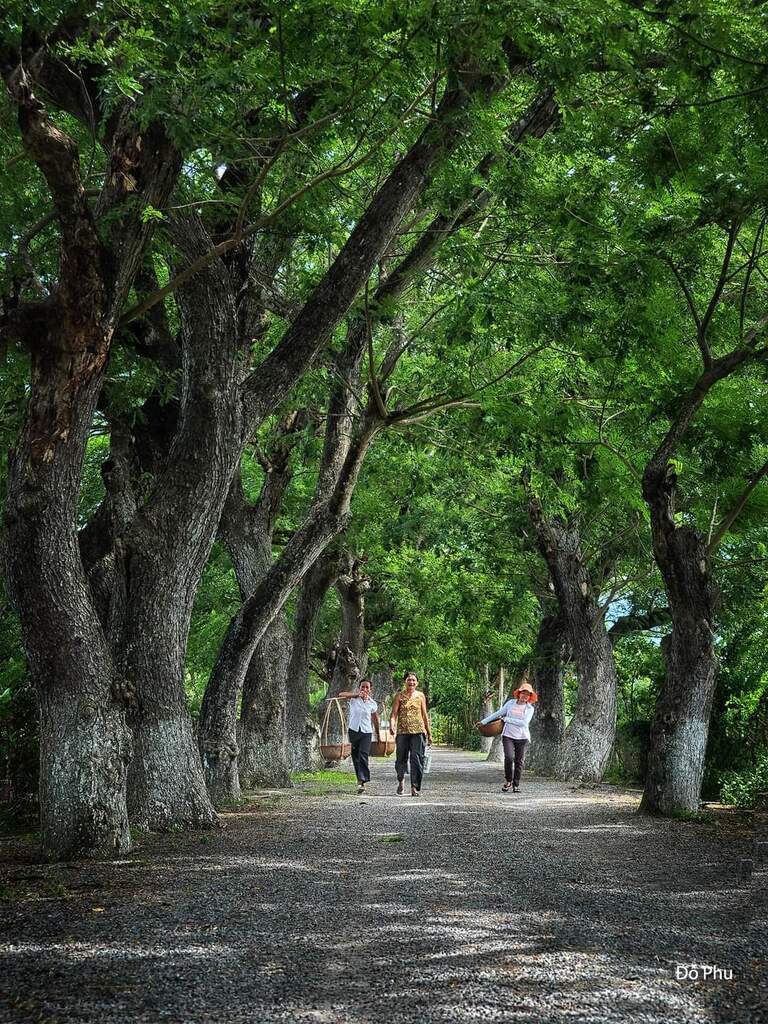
{"points": [[334, 751], [495, 728], [385, 747]]}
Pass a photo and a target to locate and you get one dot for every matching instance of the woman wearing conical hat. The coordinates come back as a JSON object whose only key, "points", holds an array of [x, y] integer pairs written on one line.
{"points": [[516, 737]]}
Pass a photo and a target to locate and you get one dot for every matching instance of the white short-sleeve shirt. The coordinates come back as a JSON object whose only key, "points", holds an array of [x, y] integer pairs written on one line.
{"points": [[360, 712]]}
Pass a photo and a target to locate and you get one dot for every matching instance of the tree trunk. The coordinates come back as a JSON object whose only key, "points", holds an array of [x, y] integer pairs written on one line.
{"points": [[486, 742], [350, 658], [257, 755], [680, 725], [496, 749], [218, 714], [589, 737], [84, 741], [249, 539], [166, 787], [263, 757], [169, 542], [548, 723], [302, 733]]}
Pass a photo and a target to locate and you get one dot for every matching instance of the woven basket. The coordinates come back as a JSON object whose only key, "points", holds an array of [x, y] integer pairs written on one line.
{"points": [[384, 747], [333, 751], [495, 728]]}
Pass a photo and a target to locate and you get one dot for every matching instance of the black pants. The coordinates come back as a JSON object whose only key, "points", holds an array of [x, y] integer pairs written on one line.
{"points": [[514, 758], [413, 744], [361, 749]]}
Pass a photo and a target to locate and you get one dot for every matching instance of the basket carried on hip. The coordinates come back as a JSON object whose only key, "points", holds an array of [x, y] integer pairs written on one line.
{"points": [[495, 728], [334, 751]]}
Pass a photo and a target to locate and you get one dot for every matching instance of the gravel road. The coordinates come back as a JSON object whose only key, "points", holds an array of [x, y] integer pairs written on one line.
{"points": [[465, 904]]}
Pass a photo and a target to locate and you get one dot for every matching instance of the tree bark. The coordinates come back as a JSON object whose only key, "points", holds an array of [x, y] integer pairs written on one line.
{"points": [[247, 532], [681, 719], [84, 740], [486, 742], [349, 657], [548, 723], [496, 750], [163, 562], [263, 759], [589, 737], [351, 660], [302, 733]]}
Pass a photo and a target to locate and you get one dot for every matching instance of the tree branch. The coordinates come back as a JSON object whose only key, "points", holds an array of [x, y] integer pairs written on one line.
{"points": [[728, 520], [701, 334]]}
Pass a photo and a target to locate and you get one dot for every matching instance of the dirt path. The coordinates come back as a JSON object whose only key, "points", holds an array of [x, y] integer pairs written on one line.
{"points": [[465, 904]]}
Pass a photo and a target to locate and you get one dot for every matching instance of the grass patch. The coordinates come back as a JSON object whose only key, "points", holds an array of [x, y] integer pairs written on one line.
{"points": [[18, 892], [616, 775], [232, 805], [325, 778], [700, 817], [391, 837]]}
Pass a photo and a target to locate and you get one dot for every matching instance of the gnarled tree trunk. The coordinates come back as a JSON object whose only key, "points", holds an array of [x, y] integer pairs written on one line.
{"points": [[259, 754], [169, 541], [589, 736], [680, 724], [302, 733], [681, 721], [264, 757], [548, 723], [84, 741], [85, 744], [349, 656]]}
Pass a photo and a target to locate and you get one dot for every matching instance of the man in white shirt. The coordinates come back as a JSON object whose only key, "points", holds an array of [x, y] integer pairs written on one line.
{"points": [[363, 718]]}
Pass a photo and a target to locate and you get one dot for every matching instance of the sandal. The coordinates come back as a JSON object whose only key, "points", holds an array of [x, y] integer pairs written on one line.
{"points": [[400, 788], [414, 791], [506, 787]]}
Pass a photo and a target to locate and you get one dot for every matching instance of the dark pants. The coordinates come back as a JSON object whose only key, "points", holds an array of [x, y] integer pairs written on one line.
{"points": [[514, 758], [413, 744], [361, 749]]}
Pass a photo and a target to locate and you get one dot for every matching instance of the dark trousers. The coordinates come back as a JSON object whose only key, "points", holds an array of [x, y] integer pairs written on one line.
{"points": [[361, 749], [413, 744], [514, 758]]}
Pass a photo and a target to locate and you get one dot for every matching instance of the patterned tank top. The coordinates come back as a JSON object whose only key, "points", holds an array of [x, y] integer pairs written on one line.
{"points": [[409, 718]]}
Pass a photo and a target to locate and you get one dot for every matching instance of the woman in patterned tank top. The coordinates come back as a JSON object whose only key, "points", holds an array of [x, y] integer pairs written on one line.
{"points": [[409, 717]]}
